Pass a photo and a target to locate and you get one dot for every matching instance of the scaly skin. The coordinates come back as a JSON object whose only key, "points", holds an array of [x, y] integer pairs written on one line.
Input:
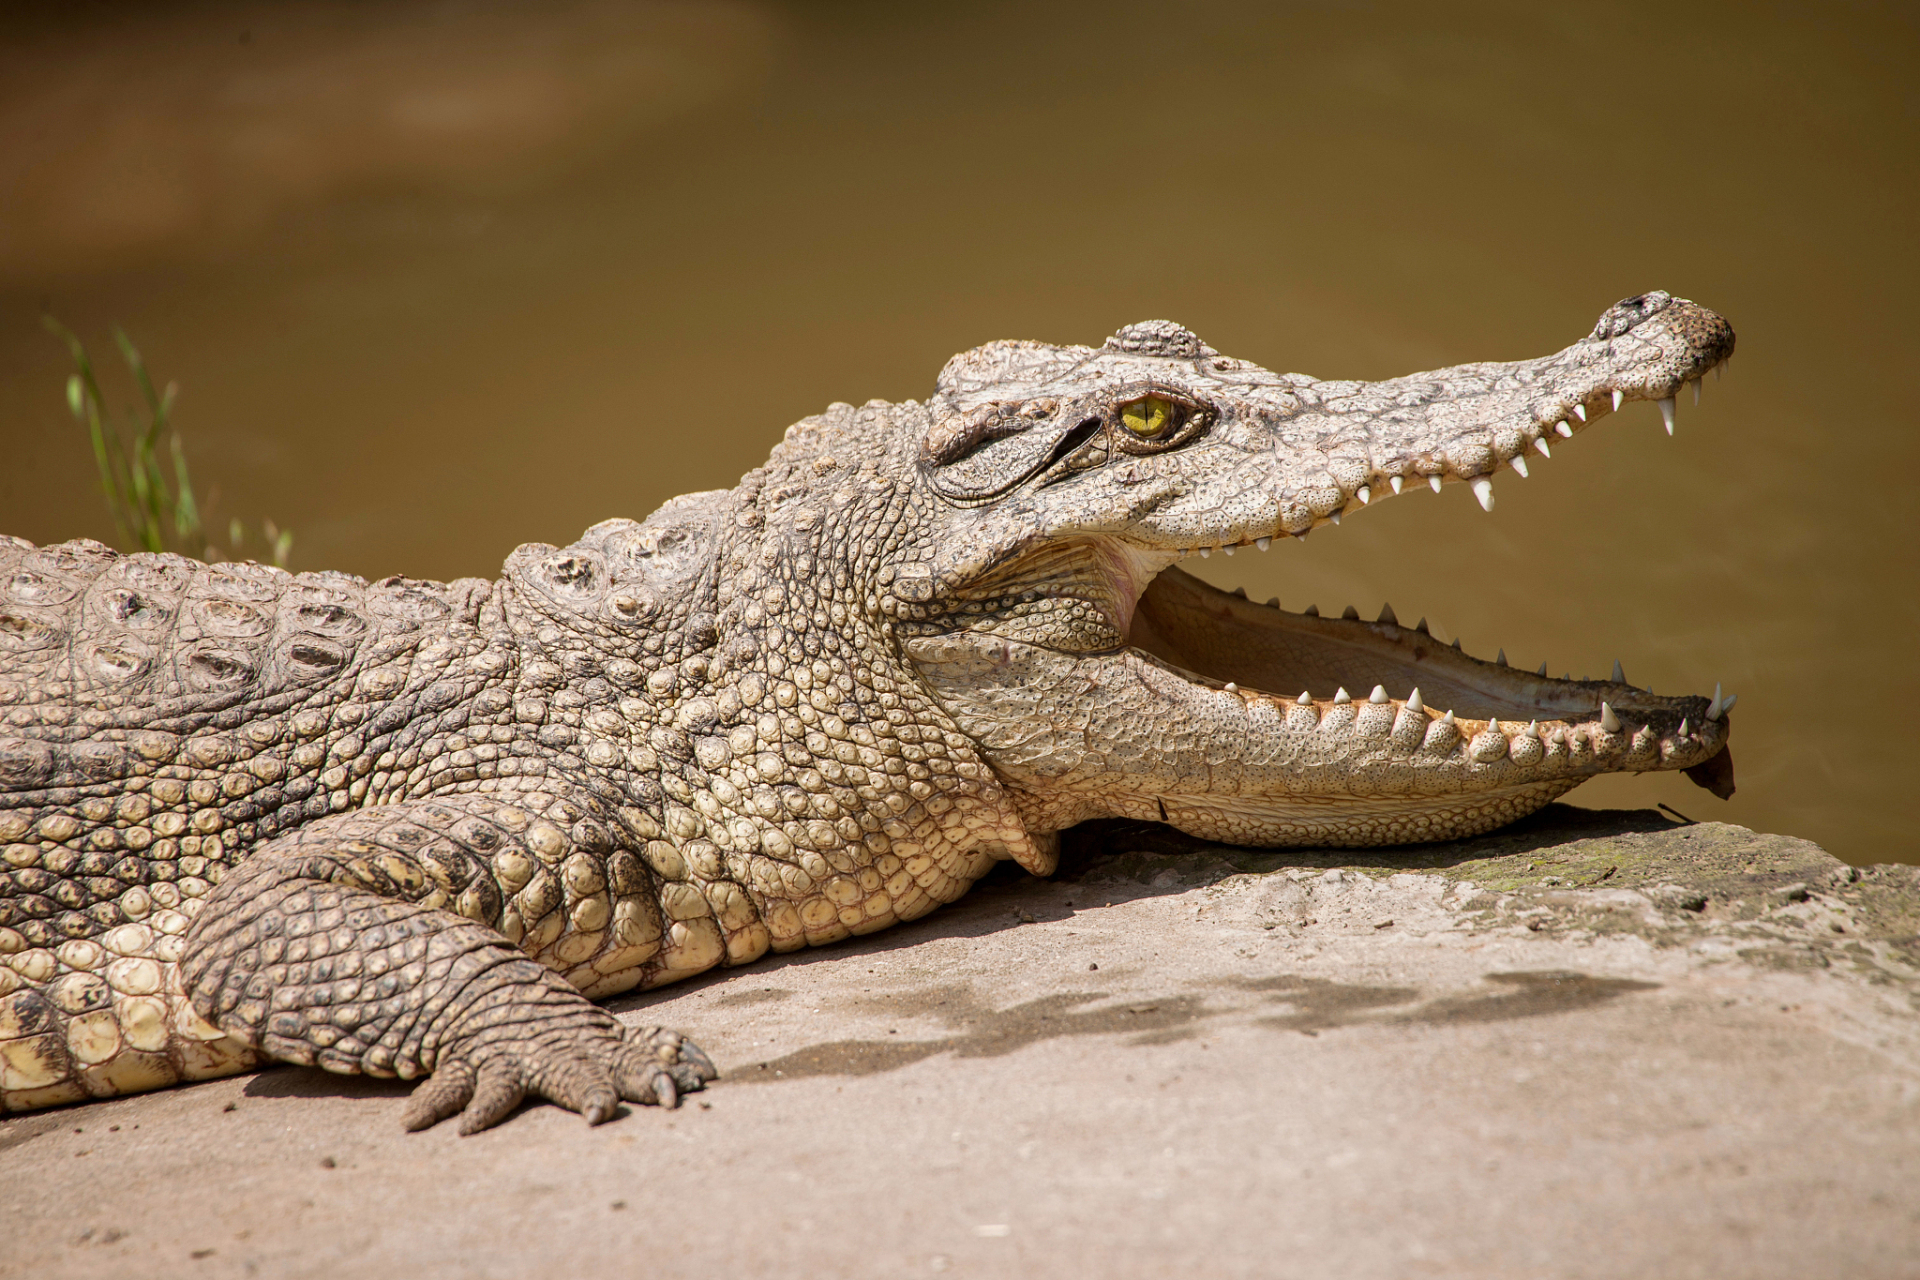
{"points": [[414, 828]]}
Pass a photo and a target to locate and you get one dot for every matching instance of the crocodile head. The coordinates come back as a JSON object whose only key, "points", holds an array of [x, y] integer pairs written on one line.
{"points": [[1032, 584]]}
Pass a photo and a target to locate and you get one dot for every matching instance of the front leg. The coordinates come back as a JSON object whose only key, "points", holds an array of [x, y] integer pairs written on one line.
{"points": [[366, 942]]}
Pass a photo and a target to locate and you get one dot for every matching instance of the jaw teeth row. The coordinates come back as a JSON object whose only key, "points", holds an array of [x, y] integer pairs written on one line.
{"points": [[1721, 704], [1608, 721]]}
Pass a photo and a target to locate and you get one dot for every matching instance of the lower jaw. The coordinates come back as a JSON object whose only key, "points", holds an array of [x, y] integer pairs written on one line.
{"points": [[1163, 730], [1355, 821]]}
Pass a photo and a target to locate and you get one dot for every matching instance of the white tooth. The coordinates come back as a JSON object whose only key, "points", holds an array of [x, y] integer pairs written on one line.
{"points": [[1500, 658], [1231, 687], [1666, 413], [1364, 494], [1531, 731], [1311, 611], [1379, 696], [1609, 721], [1241, 592], [1456, 644], [1335, 517], [1581, 410], [1305, 699], [1542, 671], [1493, 726], [1350, 613], [1263, 543], [1718, 706], [1617, 398], [1341, 696], [1447, 719], [1695, 384], [1716, 370], [1541, 445], [1519, 464], [1684, 727], [1228, 548], [1273, 602], [1483, 490], [1414, 703], [1388, 615], [1619, 676], [1205, 552], [1421, 626], [1563, 430], [1396, 482], [1728, 704]]}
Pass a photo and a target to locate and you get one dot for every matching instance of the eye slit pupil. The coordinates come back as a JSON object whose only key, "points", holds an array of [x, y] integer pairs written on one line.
{"points": [[1148, 417]]}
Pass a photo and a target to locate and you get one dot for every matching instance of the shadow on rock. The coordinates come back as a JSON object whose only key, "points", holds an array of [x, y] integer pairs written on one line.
{"points": [[1319, 1005], [987, 1034], [290, 1082], [17, 1129], [1528, 995], [1315, 1005]]}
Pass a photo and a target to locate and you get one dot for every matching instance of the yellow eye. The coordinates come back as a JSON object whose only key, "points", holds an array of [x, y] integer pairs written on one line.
{"points": [[1148, 418]]}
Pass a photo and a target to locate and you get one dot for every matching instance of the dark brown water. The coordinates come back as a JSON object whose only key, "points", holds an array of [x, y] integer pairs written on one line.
{"points": [[439, 279]]}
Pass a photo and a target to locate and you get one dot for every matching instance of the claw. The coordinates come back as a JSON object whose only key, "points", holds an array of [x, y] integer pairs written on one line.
{"points": [[666, 1091], [701, 1063]]}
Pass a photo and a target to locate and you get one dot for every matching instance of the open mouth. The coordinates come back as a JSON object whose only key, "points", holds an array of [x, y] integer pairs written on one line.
{"points": [[1399, 681]]}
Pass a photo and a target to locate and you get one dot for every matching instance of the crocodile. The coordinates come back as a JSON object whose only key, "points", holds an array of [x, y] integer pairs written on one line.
{"points": [[417, 829]]}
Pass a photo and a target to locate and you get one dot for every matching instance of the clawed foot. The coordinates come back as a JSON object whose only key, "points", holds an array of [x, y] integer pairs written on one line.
{"points": [[584, 1070]]}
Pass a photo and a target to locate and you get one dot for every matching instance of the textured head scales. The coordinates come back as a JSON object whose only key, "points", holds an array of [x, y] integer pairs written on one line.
{"points": [[1160, 338]]}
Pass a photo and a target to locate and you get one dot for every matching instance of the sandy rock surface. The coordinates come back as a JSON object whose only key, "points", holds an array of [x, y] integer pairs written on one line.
{"points": [[1594, 1044]]}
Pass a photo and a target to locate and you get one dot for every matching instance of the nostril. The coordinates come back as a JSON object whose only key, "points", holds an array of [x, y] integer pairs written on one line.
{"points": [[1623, 315]]}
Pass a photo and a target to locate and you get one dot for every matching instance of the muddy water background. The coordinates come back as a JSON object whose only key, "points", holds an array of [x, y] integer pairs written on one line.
{"points": [[436, 280]]}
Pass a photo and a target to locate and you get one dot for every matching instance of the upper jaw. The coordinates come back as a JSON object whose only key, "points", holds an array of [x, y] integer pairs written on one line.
{"points": [[1333, 447], [1285, 454]]}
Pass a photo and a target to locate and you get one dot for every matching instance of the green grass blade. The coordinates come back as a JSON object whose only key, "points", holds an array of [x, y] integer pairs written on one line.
{"points": [[144, 503], [150, 509], [186, 512], [139, 367]]}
